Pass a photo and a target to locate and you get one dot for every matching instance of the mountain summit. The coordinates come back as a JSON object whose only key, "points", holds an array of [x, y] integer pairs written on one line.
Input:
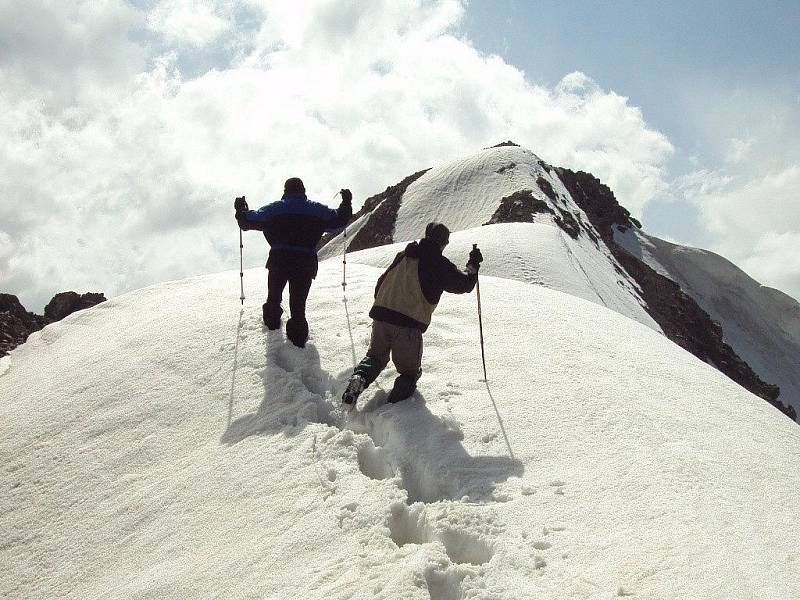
{"points": [[579, 240]]}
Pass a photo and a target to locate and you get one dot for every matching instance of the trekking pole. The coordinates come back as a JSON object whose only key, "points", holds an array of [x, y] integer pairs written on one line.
{"points": [[344, 262], [483, 358], [241, 266], [480, 317], [344, 253], [344, 291]]}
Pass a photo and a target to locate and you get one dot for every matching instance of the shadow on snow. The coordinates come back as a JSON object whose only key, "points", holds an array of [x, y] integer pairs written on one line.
{"points": [[424, 449]]}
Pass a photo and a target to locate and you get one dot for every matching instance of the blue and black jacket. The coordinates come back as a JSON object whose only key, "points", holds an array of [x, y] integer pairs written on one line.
{"points": [[293, 227]]}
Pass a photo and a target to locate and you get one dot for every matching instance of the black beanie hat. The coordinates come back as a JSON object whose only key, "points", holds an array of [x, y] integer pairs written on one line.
{"points": [[437, 233], [294, 185]]}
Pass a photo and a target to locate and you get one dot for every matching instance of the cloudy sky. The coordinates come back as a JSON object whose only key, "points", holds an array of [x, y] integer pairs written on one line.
{"points": [[127, 127]]}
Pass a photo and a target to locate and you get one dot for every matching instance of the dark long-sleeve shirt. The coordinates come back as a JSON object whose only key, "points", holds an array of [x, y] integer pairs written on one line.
{"points": [[293, 227]]}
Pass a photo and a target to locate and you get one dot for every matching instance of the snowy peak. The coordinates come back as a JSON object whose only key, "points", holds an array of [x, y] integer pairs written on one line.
{"points": [[466, 193], [501, 185], [497, 185], [567, 243]]}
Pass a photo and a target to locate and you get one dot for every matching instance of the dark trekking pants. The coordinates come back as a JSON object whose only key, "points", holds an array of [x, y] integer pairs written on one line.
{"points": [[299, 285]]}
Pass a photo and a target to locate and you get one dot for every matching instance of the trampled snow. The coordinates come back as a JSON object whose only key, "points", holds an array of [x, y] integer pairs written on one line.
{"points": [[163, 444]]}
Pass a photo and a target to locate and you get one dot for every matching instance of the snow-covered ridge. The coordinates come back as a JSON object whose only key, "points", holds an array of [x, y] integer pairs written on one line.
{"points": [[164, 443], [465, 194], [761, 323], [567, 243]]}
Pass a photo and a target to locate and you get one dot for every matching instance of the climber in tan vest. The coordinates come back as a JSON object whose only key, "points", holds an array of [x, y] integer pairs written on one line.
{"points": [[405, 297]]}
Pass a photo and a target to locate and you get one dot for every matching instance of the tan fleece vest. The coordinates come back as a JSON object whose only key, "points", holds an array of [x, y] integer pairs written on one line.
{"points": [[401, 292]]}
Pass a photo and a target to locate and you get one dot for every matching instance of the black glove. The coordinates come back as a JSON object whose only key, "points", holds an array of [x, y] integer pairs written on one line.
{"points": [[475, 257], [347, 195], [240, 204]]}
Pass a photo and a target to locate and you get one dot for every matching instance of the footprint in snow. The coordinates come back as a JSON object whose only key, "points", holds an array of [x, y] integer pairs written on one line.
{"points": [[411, 526], [548, 530], [284, 358]]}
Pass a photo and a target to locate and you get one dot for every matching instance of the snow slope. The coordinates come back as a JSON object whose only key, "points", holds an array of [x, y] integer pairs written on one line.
{"points": [[163, 444], [537, 253], [760, 323]]}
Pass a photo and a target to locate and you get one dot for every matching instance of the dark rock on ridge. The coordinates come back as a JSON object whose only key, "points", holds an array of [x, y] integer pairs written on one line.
{"points": [[382, 209], [16, 323], [597, 200], [66, 303], [13, 332], [10, 304], [566, 220], [519, 207], [545, 186], [678, 315]]}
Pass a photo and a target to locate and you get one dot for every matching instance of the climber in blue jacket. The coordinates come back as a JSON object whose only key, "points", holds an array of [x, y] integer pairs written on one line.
{"points": [[293, 227]]}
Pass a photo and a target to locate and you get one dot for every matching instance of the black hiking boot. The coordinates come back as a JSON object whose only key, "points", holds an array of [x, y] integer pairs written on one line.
{"points": [[272, 318], [404, 387], [354, 389], [297, 332]]}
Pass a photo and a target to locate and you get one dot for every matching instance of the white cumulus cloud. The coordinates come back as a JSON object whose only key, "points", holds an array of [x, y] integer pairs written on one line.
{"points": [[754, 220], [129, 178], [192, 22], [748, 200]]}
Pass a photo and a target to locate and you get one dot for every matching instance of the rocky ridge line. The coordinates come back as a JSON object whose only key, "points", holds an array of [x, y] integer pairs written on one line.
{"points": [[679, 316], [16, 323], [378, 229]]}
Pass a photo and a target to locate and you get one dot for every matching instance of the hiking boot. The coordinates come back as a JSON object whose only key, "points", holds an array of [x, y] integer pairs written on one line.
{"points": [[272, 317], [404, 387], [354, 389], [297, 332]]}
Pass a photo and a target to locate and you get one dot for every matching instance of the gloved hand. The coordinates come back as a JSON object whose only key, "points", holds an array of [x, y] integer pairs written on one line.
{"points": [[240, 204], [347, 195], [475, 257]]}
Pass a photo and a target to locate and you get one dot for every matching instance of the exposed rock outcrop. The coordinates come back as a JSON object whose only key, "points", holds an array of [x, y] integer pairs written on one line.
{"points": [[503, 144], [382, 210], [519, 207], [16, 323], [66, 303], [679, 316]]}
